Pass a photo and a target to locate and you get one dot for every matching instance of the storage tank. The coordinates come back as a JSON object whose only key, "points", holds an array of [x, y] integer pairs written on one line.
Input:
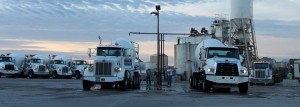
{"points": [[241, 9]]}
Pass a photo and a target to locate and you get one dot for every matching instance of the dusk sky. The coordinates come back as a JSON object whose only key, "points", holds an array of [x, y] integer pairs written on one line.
{"points": [[72, 26]]}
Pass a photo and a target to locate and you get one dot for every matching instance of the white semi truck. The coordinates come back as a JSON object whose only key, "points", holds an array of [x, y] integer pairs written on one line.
{"points": [[78, 67], [8, 67], [262, 73], [60, 66], [113, 65], [218, 67], [36, 66]]}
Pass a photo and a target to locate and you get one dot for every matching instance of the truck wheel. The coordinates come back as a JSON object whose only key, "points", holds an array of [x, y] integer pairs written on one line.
{"points": [[77, 75], [206, 85], [124, 83], [0, 75], [86, 85], [54, 75], [243, 88], [30, 74]]}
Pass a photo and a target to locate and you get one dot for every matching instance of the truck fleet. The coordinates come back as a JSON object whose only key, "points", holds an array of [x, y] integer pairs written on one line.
{"points": [[113, 66]]}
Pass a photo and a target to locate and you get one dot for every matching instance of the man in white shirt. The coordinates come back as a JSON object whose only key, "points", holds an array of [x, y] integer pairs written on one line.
{"points": [[169, 76]]}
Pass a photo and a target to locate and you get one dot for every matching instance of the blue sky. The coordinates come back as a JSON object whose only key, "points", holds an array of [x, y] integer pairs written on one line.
{"points": [[71, 26]]}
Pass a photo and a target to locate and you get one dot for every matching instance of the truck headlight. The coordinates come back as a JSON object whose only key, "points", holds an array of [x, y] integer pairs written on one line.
{"points": [[118, 69], [244, 71], [1, 67], [210, 70]]}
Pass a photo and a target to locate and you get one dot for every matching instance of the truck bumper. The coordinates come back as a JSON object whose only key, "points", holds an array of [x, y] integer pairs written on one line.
{"points": [[99, 79], [255, 80], [9, 72], [41, 73], [64, 74], [227, 81]]}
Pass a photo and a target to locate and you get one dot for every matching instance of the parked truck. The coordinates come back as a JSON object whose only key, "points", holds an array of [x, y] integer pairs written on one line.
{"points": [[36, 66], [218, 67], [60, 66], [19, 59], [113, 66], [7, 66], [78, 67]]}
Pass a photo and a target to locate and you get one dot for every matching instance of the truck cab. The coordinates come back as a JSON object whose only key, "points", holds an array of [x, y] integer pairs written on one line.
{"points": [[78, 67], [59, 68], [7, 66], [261, 73], [113, 66]]}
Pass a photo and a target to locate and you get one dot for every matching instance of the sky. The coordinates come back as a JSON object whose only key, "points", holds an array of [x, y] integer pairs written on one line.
{"points": [[70, 27]]}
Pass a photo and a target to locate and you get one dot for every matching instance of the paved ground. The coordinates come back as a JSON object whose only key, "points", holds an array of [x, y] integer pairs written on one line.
{"points": [[68, 92]]}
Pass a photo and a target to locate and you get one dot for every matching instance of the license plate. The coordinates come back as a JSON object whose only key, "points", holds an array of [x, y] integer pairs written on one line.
{"points": [[100, 79]]}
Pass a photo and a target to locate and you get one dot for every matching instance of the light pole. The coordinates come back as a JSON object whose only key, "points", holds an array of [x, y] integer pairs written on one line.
{"points": [[159, 81]]}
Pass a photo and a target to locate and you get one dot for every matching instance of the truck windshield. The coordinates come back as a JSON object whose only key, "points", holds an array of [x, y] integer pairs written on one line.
{"points": [[58, 62], [35, 60], [80, 62], [5, 59], [108, 51], [261, 65], [223, 52]]}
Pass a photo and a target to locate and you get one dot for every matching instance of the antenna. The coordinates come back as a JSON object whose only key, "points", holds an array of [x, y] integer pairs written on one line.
{"points": [[100, 39]]}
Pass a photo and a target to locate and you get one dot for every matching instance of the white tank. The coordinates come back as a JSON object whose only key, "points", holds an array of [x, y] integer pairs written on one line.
{"points": [[207, 43], [19, 59], [124, 43], [241, 9]]}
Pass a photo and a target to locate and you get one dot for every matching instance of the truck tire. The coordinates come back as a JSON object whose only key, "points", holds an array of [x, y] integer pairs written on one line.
{"points": [[0, 75], [30, 74], [124, 83], [77, 75], [86, 85], [243, 88], [206, 85], [54, 75]]}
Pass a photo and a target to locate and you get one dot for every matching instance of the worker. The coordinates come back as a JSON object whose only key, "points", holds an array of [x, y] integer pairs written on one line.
{"points": [[289, 76], [148, 77], [169, 76]]}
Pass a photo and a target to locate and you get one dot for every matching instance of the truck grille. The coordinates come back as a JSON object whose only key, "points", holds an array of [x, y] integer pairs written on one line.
{"points": [[227, 69], [65, 69], [42, 68], [9, 67], [260, 74], [103, 68]]}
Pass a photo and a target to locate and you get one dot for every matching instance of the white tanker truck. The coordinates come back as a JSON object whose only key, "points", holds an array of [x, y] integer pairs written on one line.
{"points": [[36, 66], [113, 65], [219, 67], [8, 67], [60, 66]]}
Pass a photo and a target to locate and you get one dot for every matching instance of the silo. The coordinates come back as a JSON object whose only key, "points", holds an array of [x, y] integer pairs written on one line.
{"points": [[242, 30]]}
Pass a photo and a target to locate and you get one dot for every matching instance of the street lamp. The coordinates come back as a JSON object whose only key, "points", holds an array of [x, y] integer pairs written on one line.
{"points": [[159, 81]]}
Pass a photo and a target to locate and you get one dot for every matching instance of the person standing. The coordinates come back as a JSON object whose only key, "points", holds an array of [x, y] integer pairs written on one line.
{"points": [[148, 77], [169, 76]]}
